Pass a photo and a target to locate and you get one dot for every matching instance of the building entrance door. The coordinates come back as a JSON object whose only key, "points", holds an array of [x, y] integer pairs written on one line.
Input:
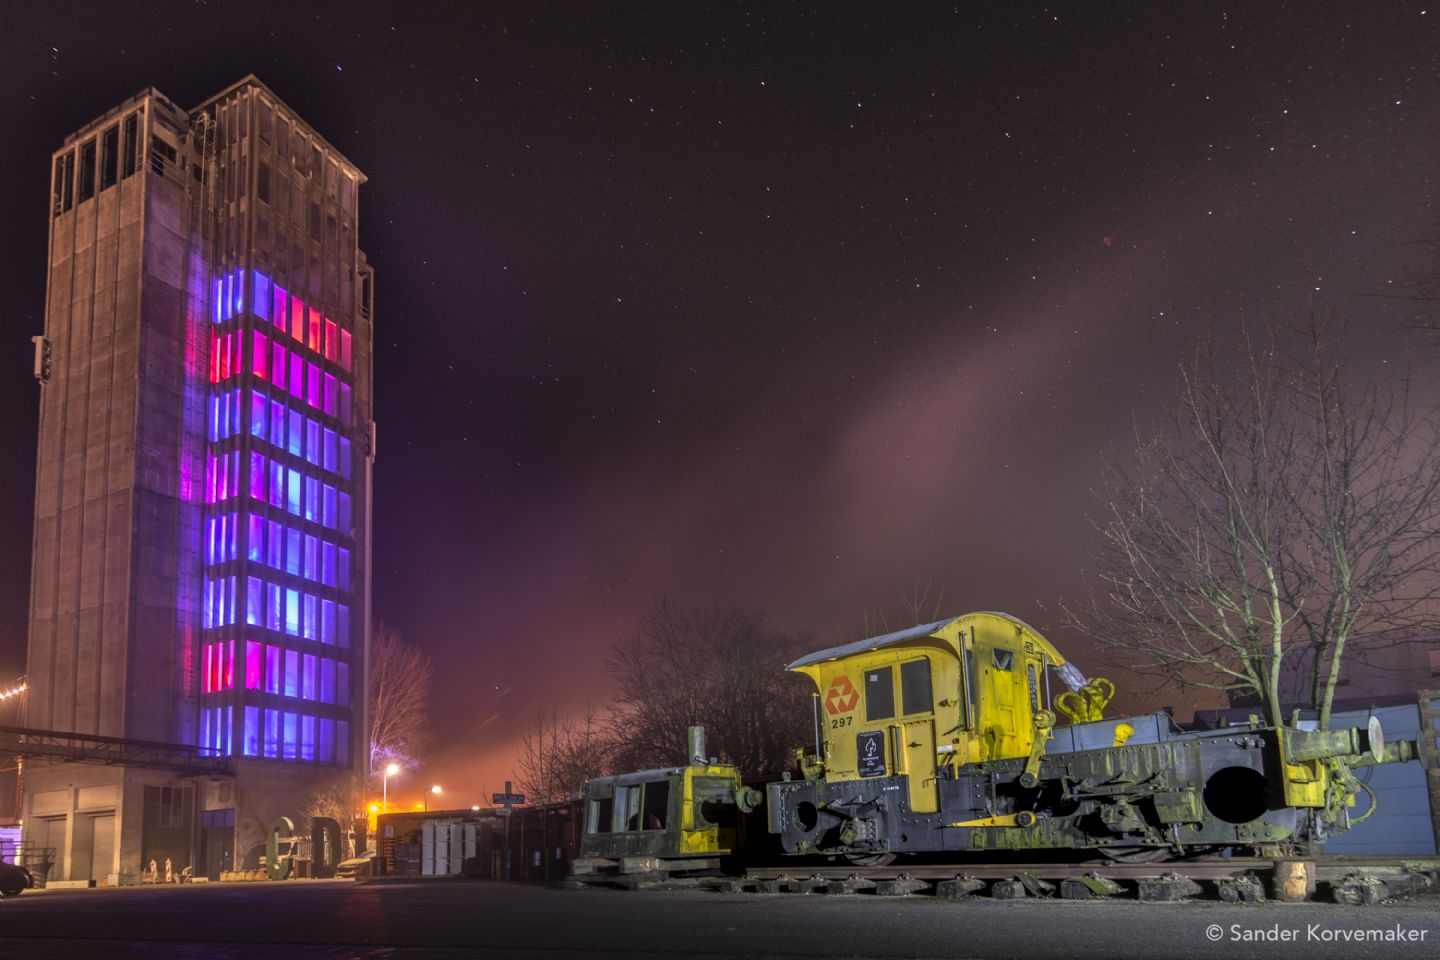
{"points": [[217, 842], [102, 847]]}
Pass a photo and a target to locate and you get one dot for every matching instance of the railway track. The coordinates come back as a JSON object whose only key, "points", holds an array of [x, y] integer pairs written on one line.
{"points": [[1348, 880]]}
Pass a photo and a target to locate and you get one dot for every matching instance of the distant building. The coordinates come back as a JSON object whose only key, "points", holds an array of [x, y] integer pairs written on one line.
{"points": [[1377, 670], [201, 546]]}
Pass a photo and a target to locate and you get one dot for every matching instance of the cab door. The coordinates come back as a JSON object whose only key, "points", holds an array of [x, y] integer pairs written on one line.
{"points": [[916, 733]]}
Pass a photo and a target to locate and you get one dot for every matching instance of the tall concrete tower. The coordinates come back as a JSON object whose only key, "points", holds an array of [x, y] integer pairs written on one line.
{"points": [[201, 549]]}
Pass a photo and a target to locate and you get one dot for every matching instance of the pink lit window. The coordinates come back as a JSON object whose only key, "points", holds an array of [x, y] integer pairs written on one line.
{"points": [[254, 664], [345, 349], [297, 376], [312, 384], [260, 358], [278, 313], [214, 357], [228, 675], [314, 329], [277, 364], [332, 340]]}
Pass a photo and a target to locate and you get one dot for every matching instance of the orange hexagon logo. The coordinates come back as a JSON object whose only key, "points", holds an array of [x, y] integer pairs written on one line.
{"points": [[842, 696]]}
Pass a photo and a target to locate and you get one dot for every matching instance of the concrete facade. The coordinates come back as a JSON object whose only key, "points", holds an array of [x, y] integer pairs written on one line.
{"points": [[155, 601]]}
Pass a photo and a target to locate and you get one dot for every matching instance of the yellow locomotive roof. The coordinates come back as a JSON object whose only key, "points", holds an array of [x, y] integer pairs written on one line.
{"points": [[923, 630]]}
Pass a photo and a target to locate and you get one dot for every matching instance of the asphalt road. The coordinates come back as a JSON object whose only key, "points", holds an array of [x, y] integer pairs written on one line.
{"points": [[399, 921]]}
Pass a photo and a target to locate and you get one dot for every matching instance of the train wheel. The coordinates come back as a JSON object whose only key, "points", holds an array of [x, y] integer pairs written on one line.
{"points": [[1136, 854], [870, 859]]}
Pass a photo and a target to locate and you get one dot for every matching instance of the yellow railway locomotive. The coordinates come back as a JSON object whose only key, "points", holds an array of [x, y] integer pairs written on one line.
{"points": [[940, 738]]}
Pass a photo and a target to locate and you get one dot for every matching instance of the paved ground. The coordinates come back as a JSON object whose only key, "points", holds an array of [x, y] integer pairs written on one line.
{"points": [[320, 920]]}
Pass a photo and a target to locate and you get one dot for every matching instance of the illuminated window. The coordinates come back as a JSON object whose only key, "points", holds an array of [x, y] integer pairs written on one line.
{"points": [[254, 601], [292, 673], [332, 340], [329, 461], [327, 740], [297, 376], [345, 410], [327, 680], [309, 631], [327, 515], [259, 414], [330, 385], [327, 573], [254, 664], [297, 433], [278, 355], [262, 296], [277, 484], [292, 614], [272, 733], [293, 500], [292, 550], [277, 423], [344, 513], [342, 684], [344, 569], [307, 677], [275, 555], [327, 622], [250, 742], [312, 558], [260, 356], [255, 541], [345, 349], [257, 476], [307, 738], [279, 305], [345, 458], [312, 499], [312, 442], [272, 668], [312, 385], [297, 319], [289, 746], [314, 342], [342, 625], [274, 608]]}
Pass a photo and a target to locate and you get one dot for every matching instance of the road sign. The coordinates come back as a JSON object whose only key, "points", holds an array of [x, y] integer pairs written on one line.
{"points": [[507, 799]]}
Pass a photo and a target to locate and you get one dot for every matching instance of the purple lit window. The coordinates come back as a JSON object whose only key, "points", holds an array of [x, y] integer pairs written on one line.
{"points": [[307, 738], [345, 404], [330, 450], [342, 624], [312, 499], [344, 569], [255, 541], [292, 550], [297, 433], [330, 385], [262, 296], [327, 740], [258, 411], [309, 631], [307, 677], [344, 513], [312, 558], [345, 466], [342, 742], [254, 601], [342, 684], [292, 725], [277, 484], [312, 385], [327, 514], [251, 744], [327, 572], [292, 673], [279, 303], [327, 622], [277, 424], [345, 349], [257, 476], [274, 607], [327, 680], [272, 733], [275, 556], [312, 442], [293, 500]]}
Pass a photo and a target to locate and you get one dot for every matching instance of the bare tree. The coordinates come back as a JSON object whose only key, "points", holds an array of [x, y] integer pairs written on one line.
{"points": [[1281, 510], [721, 668], [400, 678], [916, 607], [557, 756]]}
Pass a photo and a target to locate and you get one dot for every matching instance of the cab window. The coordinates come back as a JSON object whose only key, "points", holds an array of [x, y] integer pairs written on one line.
{"points": [[915, 694], [1004, 659], [879, 694]]}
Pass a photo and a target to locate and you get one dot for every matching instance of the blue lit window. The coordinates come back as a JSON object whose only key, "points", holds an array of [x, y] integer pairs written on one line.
{"points": [[254, 601], [327, 680], [257, 476], [292, 550], [344, 513], [308, 677], [293, 501], [272, 669], [344, 569], [312, 442], [292, 673], [259, 409], [330, 451], [292, 725], [312, 499], [275, 555], [251, 742], [327, 572], [327, 622], [262, 296], [327, 740], [272, 733], [309, 607], [277, 484], [255, 543], [307, 738], [274, 608], [345, 465], [277, 423], [327, 515], [297, 433], [292, 613], [312, 558]]}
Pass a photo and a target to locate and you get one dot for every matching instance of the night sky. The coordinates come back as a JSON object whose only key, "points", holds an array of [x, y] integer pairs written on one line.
{"points": [[781, 306]]}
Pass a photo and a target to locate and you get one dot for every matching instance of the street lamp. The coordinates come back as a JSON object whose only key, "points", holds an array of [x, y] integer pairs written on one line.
{"points": [[390, 771], [435, 790]]}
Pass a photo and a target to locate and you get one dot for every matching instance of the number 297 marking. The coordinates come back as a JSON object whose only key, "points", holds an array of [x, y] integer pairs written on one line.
{"points": [[839, 722]]}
